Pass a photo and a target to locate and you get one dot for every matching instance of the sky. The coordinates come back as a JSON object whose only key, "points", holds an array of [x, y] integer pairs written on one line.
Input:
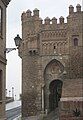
{"points": [[48, 8]]}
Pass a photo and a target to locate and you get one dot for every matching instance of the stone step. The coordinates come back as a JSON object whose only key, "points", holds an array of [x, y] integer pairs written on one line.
{"points": [[52, 116]]}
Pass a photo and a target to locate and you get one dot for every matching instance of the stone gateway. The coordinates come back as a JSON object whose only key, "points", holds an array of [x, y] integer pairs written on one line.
{"points": [[52, 66]]}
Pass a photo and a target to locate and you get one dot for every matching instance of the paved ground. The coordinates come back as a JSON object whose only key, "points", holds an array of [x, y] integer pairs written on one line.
{"points": [[13, 104], [13, 113]]}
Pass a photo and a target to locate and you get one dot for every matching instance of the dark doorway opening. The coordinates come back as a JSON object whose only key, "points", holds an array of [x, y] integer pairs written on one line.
{"points": [[55, 88]]}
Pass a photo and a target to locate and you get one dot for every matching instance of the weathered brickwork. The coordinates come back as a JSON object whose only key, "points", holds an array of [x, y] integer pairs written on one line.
{"points": [[52, 63]]}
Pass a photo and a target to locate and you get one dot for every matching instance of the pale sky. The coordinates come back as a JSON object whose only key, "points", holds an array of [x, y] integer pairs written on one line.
{"points": [[50, 8]]}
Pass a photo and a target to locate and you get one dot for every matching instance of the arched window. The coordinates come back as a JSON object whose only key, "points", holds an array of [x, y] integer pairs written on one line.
{"points": [[75, 42]]}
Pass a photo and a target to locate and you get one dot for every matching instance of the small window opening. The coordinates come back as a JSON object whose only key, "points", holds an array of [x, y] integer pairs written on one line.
{"points": [[55, 50], [30, 52], [34, 51], [75, 42], [54, 47]]}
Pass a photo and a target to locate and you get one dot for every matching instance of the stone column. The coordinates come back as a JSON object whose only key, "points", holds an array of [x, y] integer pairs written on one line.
{"points": [[42, 90]]}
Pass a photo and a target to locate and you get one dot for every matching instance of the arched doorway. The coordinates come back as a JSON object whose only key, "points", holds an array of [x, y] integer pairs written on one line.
{"points": [[52, 73], [55, 89]]}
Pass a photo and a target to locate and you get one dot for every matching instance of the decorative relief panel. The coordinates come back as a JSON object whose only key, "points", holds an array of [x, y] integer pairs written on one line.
{"points": [[54, 47], [32, 43], [54, 34], [53, 70], [76, 64]]}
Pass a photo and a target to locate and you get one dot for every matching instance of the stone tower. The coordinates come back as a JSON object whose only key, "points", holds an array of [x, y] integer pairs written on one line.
{"points": [[52, 65]]}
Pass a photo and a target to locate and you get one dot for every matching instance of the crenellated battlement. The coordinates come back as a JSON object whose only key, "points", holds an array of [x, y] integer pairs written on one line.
{"points": [[27, 16], [51, 51], [49, 29], [32, 23]]}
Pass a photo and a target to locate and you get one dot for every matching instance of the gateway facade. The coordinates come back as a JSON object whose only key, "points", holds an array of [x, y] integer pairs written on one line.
{"points": [[52, 64]]}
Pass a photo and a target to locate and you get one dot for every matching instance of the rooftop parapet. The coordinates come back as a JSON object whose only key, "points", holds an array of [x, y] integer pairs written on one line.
{"points": [[36, 12], [35, 16], [28, 12], [54, 20], [71, 9], [41, 20], [47, 21], [26, 15], [23, 16], [78, 8], [61, 20]]}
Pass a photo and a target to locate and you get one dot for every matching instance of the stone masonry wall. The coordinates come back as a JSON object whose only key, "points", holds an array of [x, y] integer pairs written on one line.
{"points": [[44, 42]]}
